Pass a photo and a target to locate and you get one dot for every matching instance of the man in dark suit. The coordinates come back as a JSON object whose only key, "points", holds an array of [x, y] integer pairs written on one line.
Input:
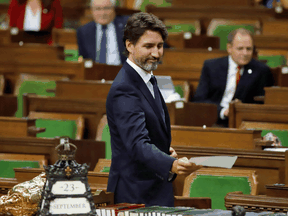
{"points": [[143, 163], [101, 39], [235, 77]]}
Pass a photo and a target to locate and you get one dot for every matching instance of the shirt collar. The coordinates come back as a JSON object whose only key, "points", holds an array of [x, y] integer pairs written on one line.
{"points": [[142, 73], [232, 63]]}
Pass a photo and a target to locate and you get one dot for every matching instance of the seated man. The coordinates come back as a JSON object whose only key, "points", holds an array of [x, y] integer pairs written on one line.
{"points": [[234, 77], [101, 39]]}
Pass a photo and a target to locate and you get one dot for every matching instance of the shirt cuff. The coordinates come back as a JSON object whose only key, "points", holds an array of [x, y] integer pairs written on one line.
{"points": [[171, 176], [222, 113]]}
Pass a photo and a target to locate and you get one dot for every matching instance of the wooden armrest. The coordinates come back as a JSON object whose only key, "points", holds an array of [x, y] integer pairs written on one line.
{"points": [[260, 143], [259, 98], [32, 130], [51, 90], [197, 202], [101, 198]]}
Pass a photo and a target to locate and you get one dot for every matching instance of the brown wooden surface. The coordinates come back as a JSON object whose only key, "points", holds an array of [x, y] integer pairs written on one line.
{"points": [[92, 110], [192, 114], [281, 78], [215, 137], [275, 28], [277, 190], [276, 95], [271, 41], [88, 151], [18, 127], [102, 162], [213, 2], [62, 37], [271, 167], [10, 101], [88, 89], [256, 203], [239, 112], [98, 71]]}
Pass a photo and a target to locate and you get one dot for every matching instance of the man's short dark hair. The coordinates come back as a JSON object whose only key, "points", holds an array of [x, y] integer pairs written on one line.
{"points": [[140, 22], [242, 31]]}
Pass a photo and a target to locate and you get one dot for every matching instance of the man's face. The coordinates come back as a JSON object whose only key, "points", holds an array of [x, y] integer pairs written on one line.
{"points": [[103, 11], [148, 50], [241, 49]]}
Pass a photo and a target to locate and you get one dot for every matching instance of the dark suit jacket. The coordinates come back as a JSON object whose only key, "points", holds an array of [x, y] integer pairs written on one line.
{"points": [[140, 142], [213, 80], [86, 38]]}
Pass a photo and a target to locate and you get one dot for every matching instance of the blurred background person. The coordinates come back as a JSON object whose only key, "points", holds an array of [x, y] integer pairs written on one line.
{"points": [[101, 39]]}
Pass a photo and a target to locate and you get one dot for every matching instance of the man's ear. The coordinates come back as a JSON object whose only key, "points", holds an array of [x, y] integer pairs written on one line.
{"points": [[129, 46], [229, 47]]}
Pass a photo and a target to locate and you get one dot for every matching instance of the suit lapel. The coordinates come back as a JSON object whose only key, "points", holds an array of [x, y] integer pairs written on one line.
{"points": [[139, 83], [92, 38]]}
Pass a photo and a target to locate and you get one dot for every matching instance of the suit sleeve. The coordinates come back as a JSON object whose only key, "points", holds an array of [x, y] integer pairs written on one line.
{"points": [[58, 19], [130, 121], [79, 42]]}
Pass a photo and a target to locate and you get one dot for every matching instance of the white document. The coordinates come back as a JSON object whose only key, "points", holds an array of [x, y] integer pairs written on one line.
{"points": [[215, 161]]}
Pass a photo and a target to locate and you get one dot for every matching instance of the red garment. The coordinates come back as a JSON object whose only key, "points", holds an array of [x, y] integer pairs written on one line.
{"points": [[49, 19]]}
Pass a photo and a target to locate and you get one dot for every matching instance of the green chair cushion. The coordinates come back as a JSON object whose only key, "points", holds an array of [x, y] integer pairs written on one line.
{"points": [[217, 187], [73, 55], [7, 166], [37, 87], [57, 128], [181, 28], [4, 1], [222, 31], [179, 90], [107, 139], [160, 3], [281, 134], [105, 169], [274, 61]]}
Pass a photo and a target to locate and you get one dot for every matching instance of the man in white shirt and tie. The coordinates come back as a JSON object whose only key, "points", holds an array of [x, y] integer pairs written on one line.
{"points": [[234, 77], [101, 39]]}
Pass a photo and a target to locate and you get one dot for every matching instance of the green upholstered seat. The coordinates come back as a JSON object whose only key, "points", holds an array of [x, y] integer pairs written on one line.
{"points": [[37, 87], [105, 169], [57, 128], [71, 55], [181, 28], [222, 31], [281, 134], [106, 137], [217, 187], [179, 90], [159, 3], [4, 1], [274, 61], [7, 166]]}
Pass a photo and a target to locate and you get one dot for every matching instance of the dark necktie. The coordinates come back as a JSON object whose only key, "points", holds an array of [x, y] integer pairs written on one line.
{"points": [[157, 96], [103, 49]]}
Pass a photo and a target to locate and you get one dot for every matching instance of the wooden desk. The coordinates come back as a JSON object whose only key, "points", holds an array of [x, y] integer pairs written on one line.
{"points": [[276, 95], [271, 167], [280, 76], [88, 89], [271, 41], [239, 112], [92, 110], [8, 105], [216, 137], [18, 127], [88, 151], [234, 3], [277, 190], [256, 203]]}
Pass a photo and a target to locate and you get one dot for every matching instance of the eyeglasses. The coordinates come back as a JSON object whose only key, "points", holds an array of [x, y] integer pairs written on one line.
{"points": [[102, 8]]}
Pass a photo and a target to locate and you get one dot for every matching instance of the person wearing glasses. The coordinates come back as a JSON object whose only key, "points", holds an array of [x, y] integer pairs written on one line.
{"points": [[101, 39]]}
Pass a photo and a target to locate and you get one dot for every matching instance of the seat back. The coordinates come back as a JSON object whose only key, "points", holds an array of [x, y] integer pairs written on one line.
{"points": [[103, 134], [222, 27], [273, 60], [59, 124], [103, 165], [10, 161], [216, 183]]}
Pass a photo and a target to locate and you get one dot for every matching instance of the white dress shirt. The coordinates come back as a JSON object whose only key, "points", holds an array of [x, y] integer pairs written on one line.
{"points": [[230, 86], [32, 22], [143, 74], [112, 55]]}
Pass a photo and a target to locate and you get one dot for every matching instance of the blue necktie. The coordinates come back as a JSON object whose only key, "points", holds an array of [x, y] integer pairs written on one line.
{"points": [[103, 49], [157, 96]]}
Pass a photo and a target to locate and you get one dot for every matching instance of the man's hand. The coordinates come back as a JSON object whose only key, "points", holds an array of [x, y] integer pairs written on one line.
{"points": [[173, 152], [182, 166]]}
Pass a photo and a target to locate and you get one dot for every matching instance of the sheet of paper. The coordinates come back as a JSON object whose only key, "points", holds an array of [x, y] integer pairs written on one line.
{"points": [[215, 161]]}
